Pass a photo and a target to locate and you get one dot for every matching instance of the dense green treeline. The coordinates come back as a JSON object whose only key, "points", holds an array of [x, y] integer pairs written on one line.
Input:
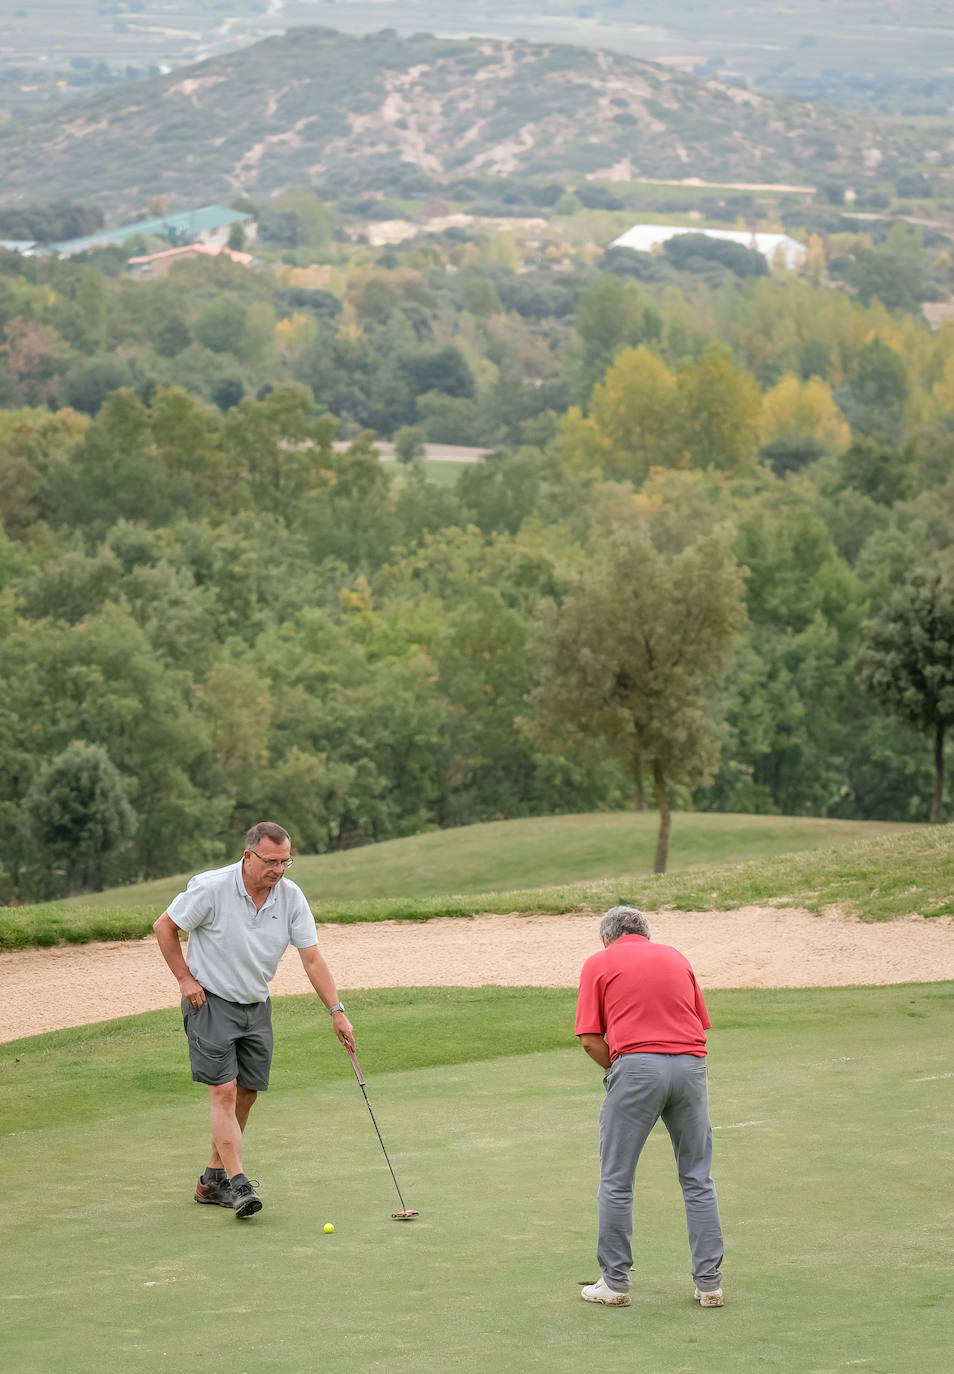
{"points": [[479, 339], [281, 630], [214, 612]]}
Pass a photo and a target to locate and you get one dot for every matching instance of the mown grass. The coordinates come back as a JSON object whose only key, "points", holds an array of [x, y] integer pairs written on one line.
{"points": [[564, 863], [442, 472], [831, 1112]]}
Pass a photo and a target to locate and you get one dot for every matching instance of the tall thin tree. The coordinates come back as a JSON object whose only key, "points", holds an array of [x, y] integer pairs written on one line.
{"points": [[631, 655]]}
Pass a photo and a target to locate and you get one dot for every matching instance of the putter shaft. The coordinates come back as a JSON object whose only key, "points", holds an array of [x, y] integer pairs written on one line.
{"points": [[360, 1077]]}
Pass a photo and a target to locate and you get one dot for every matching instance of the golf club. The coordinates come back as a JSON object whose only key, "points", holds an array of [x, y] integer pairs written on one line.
{"points": [[406, 1213]]}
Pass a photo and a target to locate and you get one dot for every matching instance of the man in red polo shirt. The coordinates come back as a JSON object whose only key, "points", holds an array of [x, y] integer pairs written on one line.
{"points": [[640, 1015]]}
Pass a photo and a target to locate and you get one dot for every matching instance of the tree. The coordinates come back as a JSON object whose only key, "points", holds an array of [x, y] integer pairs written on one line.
{"points": [[78, 312], [86, 386], [611, 316], [720, 405], [377, 301], [35, 456], [171, 335], [408, 443], [631, 655], [72, 586], [355, 732], [221, 324], [227, 392], [803, 409], [296, 219], [878, 470], [506, 488], [906, 662], [113, 472], [80, 811], [36, 357], [294, 335], [636, 413], [686, 250], [894, 280], [874, 396], [439, 369], [101, 681], [60, 219], [790, 711], [471, 604]]}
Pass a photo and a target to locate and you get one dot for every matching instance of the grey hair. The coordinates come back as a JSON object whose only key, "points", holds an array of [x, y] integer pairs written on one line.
{"points": [[266, 830], [623, 920]]}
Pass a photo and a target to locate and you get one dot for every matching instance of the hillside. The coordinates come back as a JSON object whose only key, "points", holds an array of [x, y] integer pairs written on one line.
{"points": [[410, 116], [856, 54]]}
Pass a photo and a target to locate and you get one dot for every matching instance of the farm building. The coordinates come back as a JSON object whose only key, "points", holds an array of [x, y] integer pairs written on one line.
{"points": [[210, 225], [778, 249], [158, 264]]}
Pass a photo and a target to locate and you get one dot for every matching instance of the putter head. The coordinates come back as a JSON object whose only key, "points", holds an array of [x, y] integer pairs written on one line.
{"points": [[408, 1214]]}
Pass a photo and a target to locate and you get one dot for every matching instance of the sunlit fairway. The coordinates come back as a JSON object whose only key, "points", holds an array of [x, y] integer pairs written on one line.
{"points": [[831, 1112]]}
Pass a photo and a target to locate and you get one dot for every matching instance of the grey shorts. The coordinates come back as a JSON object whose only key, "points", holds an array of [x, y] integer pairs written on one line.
{"points": [[229, 1040]]}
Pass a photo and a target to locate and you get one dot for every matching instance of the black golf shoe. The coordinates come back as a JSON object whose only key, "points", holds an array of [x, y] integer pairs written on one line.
{"points": [[245, 1201], [216, 1192]]}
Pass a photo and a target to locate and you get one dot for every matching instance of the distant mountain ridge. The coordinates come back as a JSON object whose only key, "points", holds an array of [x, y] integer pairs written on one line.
{"points": [[381, 113]]}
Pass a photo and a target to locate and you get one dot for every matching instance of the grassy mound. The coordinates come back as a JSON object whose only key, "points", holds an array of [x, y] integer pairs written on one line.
{"points": [[565, 863]]}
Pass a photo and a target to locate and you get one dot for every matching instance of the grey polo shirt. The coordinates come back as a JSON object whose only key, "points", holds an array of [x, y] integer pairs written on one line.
{"points": [[233, 949]]}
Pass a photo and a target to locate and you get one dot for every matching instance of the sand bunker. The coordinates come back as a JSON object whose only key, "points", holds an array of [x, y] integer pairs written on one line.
{"points": [[754, 947]]}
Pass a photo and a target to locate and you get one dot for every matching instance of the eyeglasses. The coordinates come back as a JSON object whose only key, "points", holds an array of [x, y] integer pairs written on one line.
{"points": [[272, 863]]}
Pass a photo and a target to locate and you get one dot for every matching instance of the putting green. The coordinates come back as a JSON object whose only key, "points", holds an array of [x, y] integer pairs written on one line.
{"points": [[832, 1114]]}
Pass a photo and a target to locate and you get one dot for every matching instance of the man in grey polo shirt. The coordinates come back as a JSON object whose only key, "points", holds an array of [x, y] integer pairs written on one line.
{"points": [[240, 921]]}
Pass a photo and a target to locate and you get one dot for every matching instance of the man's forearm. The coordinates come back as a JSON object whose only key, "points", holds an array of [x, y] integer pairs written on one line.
{"points": [[597, 1048], [319, 975], [170, 946]]}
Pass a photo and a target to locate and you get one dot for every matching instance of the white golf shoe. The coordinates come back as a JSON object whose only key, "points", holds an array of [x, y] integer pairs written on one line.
{"points": [[599, 1292], [713, 1299]]}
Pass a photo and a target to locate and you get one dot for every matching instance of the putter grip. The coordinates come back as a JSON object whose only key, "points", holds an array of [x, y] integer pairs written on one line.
{"points": [[355, 1065]]}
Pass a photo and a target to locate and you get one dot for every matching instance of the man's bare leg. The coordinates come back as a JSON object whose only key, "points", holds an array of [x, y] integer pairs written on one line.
{"points": [[229, 1106]]}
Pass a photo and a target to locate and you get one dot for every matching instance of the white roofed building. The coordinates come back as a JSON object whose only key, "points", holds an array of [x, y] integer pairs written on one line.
{"points": [[778, 250]]}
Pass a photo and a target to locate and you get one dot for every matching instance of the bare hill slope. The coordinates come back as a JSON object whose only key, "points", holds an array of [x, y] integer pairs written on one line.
{"points": [[350, 114]]}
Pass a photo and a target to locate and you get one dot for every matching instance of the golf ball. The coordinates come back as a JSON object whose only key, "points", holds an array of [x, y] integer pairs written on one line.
{"points": [[328, 1228]]}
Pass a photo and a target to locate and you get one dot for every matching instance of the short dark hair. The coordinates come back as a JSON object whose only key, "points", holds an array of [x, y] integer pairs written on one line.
{"points": [[266, 830], [623, 920]]}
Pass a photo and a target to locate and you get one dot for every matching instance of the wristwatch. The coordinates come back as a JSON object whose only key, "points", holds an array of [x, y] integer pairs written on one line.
{"points": [[338, 1006]]}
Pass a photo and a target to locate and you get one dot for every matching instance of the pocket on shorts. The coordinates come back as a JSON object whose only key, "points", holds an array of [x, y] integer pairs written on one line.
{"points": [[197, 1024], [210, 1052], [193, 1015], [212, 1060]]}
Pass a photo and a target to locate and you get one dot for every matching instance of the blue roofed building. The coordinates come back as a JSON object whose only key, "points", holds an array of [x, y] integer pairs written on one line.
{"points": [[210, 224]]}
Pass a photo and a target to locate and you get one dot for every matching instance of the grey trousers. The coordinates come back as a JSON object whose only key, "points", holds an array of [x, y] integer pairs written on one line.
{"points": [[641, 1088]]}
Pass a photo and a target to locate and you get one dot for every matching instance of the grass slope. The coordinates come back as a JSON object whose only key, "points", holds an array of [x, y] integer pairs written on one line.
{"points": [[556, 863], [830, 1112]]}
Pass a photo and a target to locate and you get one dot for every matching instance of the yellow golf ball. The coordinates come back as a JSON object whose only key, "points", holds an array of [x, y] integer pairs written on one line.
{"points": [[328, 1228]]}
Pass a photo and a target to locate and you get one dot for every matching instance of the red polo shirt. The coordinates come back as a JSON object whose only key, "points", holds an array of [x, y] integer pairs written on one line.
{"points": [[644, 998]]}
